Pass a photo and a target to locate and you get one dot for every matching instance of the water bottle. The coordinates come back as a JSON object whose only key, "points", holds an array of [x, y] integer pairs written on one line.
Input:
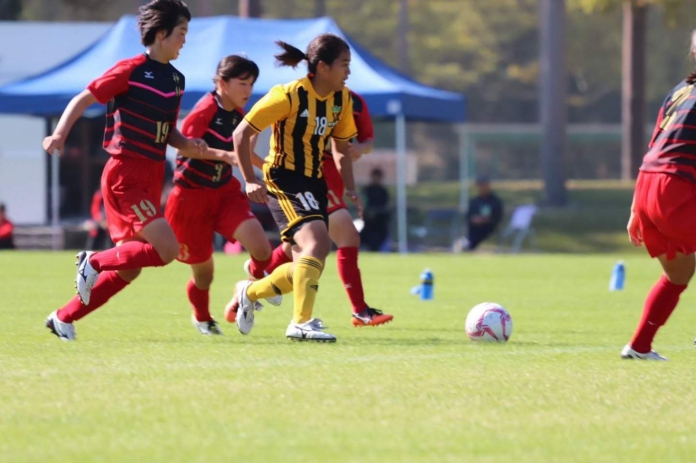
{"points": [[618, 277], [427, 282]]}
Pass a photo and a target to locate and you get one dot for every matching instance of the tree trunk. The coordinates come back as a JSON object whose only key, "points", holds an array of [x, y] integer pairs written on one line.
{"points": [[633, 88], [552, 101], [402, 38], [250, 8]]}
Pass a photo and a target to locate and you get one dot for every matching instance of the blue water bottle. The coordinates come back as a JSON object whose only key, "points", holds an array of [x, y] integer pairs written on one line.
{"points": [[427, 281], [618, 277]]}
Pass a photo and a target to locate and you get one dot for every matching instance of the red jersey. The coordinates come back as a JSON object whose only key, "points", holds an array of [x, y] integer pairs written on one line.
{"points": [[363, 121], [6, 229], [672, 148], [214, 124], [143, 97]]}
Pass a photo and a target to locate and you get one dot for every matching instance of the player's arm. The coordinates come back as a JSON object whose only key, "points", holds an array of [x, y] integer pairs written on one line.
{"points": [[185, 144], [270, 109], [72, 113], [366, 132], [344, 162]]}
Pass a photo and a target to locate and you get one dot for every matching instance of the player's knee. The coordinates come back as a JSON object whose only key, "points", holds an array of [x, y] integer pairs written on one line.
{"points": [[262, 251], [128, 275], [203, 280], [168, 252], [319, 248], [350, 239]]}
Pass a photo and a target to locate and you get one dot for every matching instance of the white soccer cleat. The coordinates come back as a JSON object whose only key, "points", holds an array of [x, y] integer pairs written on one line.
{"points": [[309, 331], [207, 328], [245, 307], [86, 276], [275, 300], [629, 353], [64, 331]]}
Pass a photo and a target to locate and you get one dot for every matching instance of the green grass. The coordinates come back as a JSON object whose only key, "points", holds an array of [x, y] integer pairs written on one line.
{"points": [[594, 220], [141, 384]]}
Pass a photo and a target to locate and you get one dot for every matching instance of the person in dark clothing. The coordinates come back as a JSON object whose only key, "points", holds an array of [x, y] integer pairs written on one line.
{"points": [[376, 213], [484, 214]]}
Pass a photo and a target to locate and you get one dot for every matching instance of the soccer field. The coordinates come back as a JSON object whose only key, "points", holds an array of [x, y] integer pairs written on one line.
{"points": [[141, 384]]}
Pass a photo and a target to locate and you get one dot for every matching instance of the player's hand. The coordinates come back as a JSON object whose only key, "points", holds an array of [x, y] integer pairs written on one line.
{"points": [[634, 233], [197, 144], [53, 143], [355, 199], [256, 191]]}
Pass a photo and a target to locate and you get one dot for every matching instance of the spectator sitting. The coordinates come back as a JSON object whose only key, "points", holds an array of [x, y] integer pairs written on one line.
{"points": [[376, 213], [6, 230], [484, 214]]}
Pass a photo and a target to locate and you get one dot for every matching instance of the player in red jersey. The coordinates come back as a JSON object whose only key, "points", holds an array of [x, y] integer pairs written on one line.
{"points": [[341, 228], [663, 213], [206, 197], [143, 96]]}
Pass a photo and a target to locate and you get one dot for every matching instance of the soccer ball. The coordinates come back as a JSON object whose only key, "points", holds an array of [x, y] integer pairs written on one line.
{"points": [[489, 322]]}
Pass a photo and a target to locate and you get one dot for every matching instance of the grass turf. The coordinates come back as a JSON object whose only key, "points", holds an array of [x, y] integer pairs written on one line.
{"points": [[141, 384]]}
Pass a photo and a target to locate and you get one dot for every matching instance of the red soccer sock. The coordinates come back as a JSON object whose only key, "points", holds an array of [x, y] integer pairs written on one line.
{"points": [[349, 272], [659, 305], [128, 256], [258, 267], [278, 258], [200, 301], [108, 284]]}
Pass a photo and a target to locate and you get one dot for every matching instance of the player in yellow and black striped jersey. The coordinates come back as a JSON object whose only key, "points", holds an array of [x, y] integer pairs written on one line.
{"points": [[306, 115]]}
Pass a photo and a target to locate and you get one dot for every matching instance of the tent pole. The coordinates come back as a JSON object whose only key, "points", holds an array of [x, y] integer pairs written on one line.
{"points": [[401, 181], [55, 191]]}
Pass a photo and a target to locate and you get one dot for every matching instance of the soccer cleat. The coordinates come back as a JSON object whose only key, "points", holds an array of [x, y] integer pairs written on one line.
{"points": [[64, 331], [208, 328], [629, 353], [244, 316], [275, 300], [86, 276], [371, 317], [309, 331]]}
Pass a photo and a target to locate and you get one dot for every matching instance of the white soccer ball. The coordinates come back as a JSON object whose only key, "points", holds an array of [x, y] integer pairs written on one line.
{"points": [[489, 322]]}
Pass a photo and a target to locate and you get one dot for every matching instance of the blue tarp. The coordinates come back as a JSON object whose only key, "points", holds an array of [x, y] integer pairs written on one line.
{"points": [[208, 40]]}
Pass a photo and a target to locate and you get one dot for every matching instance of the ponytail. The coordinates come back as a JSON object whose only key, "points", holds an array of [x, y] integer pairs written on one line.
{"points": [[691, 79], [291, 56]]}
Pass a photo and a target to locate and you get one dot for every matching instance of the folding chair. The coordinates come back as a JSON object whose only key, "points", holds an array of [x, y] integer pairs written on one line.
{"points": [[519, 228]]}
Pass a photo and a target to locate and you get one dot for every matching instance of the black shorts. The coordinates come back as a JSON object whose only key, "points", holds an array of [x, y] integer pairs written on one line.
{"points": [[294, 199]]}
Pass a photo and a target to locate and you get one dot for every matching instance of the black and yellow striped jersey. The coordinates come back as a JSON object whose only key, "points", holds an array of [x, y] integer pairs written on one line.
{"points": [[302, 124]]}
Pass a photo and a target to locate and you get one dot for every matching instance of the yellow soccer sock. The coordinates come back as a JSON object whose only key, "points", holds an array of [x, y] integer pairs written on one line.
{"points": [[305, 286], [278, 282]]}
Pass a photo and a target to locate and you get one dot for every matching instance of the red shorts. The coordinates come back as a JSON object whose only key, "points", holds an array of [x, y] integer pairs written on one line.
{"points": [[196, 214], [132, 191], [334, 184], [666, 207]]}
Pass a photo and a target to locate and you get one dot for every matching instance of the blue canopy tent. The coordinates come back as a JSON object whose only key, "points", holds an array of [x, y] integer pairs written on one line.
{"points": [[388, 93]]}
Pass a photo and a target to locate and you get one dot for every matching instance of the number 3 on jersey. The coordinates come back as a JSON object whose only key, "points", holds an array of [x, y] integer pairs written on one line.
{"points": [[308, 201]]}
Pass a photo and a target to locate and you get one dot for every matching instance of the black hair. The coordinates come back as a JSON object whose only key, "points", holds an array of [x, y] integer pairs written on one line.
{"points": [[160, 15], [691, 79], [2, 208], [326, 48], [376, 172], [235, 66]]}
